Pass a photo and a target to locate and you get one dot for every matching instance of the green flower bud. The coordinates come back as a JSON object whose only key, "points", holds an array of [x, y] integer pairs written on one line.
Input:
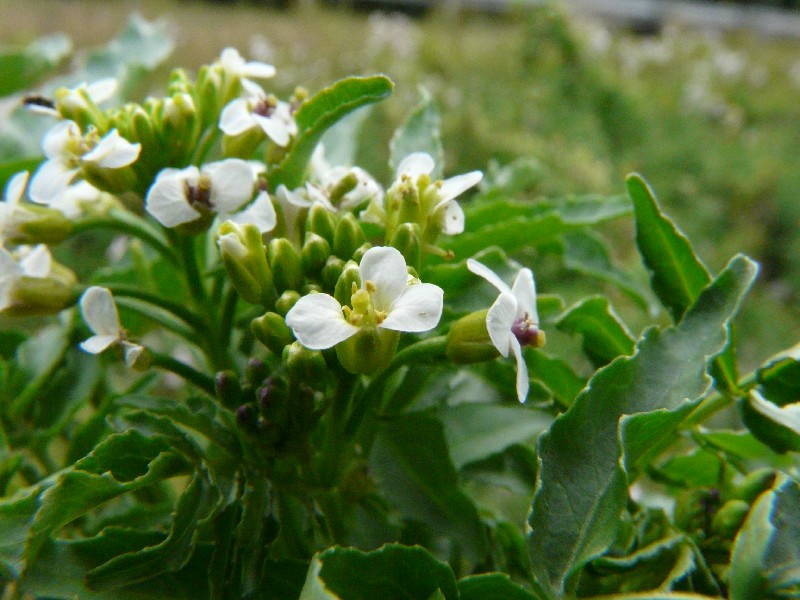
{"points": [[286, 301], [321, 221], [693, 509], [245, 260], [271, 330], [273, 399], [343, 187], [33, 296], [348, 282], [243, 145], [304, 366], [360, 251], [208, 95], [255, 371], [332, 271], [34, 224], [406, 239], [468, 340], [754, 484], [114, 181], [143, 130], [314, 254], [369, 351], [348, 237], [729, 518], [287, 266], [228, 388]]}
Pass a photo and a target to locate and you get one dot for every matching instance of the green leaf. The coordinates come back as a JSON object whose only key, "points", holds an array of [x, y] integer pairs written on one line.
{"points": [[700, 468], [21, 69], [776, 426], [605, 336], [411, 460], [476, 431], [743, 445], [677, 274], [582, 487], [779, 378], [492, 586], [393, 571], [516, 225], [766, 548], [420, 133], [318, 114], [556, 375]]}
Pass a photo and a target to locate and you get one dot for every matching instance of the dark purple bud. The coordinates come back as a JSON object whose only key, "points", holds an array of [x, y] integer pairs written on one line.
{"points": [[245, 415]]}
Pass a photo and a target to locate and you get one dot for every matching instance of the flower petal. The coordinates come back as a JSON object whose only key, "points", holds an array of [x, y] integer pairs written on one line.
{"points": [[276, 129], [523, 379], [318, 323], [15, 188], [37, 262], [499, 320], [232, 183], [57, 138], [97, 343], [258, 70], [524, 291], [416, 164], [102, 90], [453, 222], [100, 312], [167, 202], [386, 268], [455, 186], [9, 267], [113, 151], [419, 308], [483, 271], [132, 352], [50, 180], [236, 118], [260, 213]]}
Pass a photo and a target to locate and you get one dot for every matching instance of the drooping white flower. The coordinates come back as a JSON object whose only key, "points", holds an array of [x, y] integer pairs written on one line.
{"points": [[513, 320], [271, 115], [358, 185], [387, 299], [234, 65], [28, 262], [67, 149], [100, 313], [73, 201], [181, 196]]}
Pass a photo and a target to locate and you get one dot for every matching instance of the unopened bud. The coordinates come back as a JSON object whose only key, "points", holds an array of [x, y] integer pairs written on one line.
{"points": [[331, 272], [321, 221], [271, 330], [287, 267], [245, 260], [314, 254], [286, 301], [256, 371], [360, 251], [349, 279], [228, 388], [246, 416], [368, 351], [468, 340], [273, 399], [304, 366], [754, 484], [729, 518], [32, 224], [348, 237], [406, 239]]}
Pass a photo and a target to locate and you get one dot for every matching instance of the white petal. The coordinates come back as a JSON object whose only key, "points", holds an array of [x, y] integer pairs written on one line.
{"points": [[499, 320], [386, 268], [132, 353], [37, 263], [275, 129], [15, 188], [259, 70], [56, 140], [524, 291], [318, 323], [232, 183], [260, 213], [455, 186], [50, 180], [416, 164], [9, 267], [100, 312], [113, 151], [236, 118], [252, 89], [102, 90], [167, 202], [453, 223], [523, 380], [231, 61], [97, 343], [483, 271], [231, 245], [419, 308]]}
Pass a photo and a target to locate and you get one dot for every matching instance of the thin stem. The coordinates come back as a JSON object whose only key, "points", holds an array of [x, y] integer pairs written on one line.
{"points": [[717, 402], [166, 362], [228, 313], [179, 310], [207, 140], [191, 270]]}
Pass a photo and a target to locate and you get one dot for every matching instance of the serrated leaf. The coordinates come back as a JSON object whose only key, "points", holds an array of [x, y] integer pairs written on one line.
{"points": [[779, 377], [393, 571], [677, 274], [492, 586], [776, 426], [744, 446], [556, 375], [420, 133], [477, 431], [411, 460], [766, 546], [605, 336], [318, 114], [582, 486]]}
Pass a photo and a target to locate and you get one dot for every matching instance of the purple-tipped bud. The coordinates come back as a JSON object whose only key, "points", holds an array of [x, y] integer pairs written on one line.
{"points": [[256, 371], [245, 415], [527, 333]]}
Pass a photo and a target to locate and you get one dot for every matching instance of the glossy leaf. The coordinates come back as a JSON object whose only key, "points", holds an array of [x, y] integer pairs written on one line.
{"points": [[556, 375], [605, 336], [421, 132], [582, 485], [393, 571], [776, 426], [21, 69], [779, 378], [492, 586], [318, 114]]}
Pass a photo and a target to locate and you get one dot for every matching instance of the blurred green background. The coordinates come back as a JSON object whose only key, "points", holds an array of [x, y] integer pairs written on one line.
{"points": [[711, 119]]}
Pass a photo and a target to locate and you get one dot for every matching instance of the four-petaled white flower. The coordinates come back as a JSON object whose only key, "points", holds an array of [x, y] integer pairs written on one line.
{"points": [[29, 261], [513, 321], [388, 299], [272, 116], [67, 149], [359, 186], [181, 196], [100, 313], [234, 65]]}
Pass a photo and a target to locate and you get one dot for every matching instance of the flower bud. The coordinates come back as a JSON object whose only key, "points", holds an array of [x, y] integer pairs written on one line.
{"points": [[468, 340], [255, 372], [360, 251], [143, 130], [286, 301], [208, 95], [729, 518], [304, 365], [228, 388], [242, 145], [321, 221], [287, 267], [754, 484], [349, 280], [369, 351], [273, 400], [343, 187], [245, 260], [33, 296], [348, 237], [314, 254], [331, 272], [406, 239], [271, 330], [32, 224]]}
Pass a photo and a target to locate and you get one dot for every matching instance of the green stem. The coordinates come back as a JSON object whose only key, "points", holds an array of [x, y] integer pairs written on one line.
{"points": [[191, 270], [167, 363], [179, 310], [207, 140], [123, 221], [717, 402], [228, 313]]}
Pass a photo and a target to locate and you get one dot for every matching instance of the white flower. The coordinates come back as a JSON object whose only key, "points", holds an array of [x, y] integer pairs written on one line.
{"points": [[29, 261], [12, 213], [73, 200], [292, 203], [512, 321], [81, 97], [100, 313], [271, 115], [387, 300], [362, 186], [181, 196], [235, 66], [67, 149]]}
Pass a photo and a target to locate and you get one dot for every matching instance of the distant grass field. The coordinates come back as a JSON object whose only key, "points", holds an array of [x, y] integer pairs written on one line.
{"points": [[712, 121]]}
